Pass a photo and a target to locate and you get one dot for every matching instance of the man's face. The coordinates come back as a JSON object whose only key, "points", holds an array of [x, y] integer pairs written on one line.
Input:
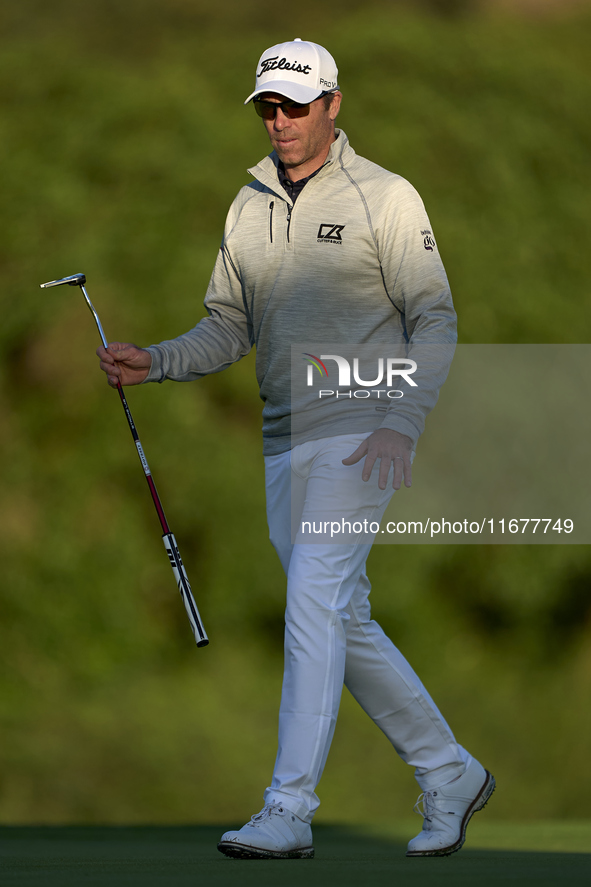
{"points": [[302, 143]]}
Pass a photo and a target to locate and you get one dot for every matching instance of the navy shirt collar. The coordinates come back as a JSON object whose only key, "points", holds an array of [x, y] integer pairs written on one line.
{"points": [[294, 189]]}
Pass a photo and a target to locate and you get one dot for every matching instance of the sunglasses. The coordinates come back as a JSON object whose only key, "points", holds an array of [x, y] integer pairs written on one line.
{"points": [[268, 110]]}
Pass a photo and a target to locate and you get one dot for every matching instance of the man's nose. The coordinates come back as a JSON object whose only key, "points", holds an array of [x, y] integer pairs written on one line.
{"points": [[281, 119]]}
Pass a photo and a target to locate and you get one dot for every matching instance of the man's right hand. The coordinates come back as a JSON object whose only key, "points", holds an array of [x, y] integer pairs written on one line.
{"points": [[125, 363]]}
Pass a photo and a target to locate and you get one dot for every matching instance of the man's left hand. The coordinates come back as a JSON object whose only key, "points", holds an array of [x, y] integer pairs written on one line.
{"points": [[389, 447]]}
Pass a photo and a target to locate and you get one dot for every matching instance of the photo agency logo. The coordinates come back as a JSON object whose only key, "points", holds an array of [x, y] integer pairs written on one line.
{"points": [[346, 380]]}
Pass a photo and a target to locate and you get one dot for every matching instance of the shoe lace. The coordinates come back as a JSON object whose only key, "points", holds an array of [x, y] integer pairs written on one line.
{"points": [[424, 805], [429, 808], [266, 812], [425, 799]]}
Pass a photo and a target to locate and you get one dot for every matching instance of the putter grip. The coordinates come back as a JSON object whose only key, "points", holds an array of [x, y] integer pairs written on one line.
{"points": [[182, 581]]}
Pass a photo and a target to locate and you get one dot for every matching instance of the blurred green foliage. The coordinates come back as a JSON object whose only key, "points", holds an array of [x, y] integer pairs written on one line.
{"points": [[123, 141]]}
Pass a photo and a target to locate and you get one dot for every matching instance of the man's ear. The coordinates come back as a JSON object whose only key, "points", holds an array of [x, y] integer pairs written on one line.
{"points": [[335, 105]]}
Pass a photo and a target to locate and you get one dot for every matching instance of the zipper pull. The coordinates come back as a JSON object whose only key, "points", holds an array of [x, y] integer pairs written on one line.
{"points": [[289, 212], [271, 205]]}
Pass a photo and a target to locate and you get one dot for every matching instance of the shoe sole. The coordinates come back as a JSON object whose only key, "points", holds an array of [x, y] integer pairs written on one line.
{"points": [[243, 851], [477, 804]]}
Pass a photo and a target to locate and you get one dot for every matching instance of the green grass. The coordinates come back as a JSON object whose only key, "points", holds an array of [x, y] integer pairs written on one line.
{"points": [[187, 856]]}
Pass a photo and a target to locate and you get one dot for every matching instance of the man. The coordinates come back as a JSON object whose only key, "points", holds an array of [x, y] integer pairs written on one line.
{"points": [[326, 240]]}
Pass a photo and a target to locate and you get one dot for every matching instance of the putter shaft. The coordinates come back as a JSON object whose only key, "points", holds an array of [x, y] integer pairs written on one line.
{"points": [[170, 544]]}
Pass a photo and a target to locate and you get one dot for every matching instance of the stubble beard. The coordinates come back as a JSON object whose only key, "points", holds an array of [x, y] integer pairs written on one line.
{"points": [[300, 153], [290, 155]]}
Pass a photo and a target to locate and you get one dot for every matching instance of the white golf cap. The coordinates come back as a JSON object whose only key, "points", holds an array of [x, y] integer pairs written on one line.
{"points": [[299, 70]]}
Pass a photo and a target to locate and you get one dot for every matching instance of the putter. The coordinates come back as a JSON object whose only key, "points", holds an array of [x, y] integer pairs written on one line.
{"points": [[172, 550]]}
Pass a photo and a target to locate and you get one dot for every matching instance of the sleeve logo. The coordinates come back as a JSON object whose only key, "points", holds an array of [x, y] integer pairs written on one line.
{"points": [[428, 240]]}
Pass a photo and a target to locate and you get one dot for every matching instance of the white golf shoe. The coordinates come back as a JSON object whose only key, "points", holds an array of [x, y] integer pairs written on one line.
{"points": [[274, 833], [447, 811]]}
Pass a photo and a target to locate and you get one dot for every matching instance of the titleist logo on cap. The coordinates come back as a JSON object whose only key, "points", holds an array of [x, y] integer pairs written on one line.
{"points": [[272, 63]]}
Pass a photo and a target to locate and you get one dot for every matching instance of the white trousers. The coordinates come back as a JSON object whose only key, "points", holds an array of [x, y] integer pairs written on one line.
{"points": [[330, 638]]}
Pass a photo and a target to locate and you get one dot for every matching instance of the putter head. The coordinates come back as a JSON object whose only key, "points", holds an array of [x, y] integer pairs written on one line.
{"points": [[72, 280]]}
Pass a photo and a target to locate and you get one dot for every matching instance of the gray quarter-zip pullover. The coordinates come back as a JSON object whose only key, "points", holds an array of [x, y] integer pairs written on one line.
{"points": [[354, 261]]}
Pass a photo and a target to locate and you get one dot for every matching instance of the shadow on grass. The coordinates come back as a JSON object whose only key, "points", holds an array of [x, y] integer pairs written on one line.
{"points": [[183, 855]]}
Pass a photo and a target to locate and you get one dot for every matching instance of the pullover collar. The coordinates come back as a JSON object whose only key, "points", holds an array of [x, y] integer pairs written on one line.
{"points": [[294, 189]]}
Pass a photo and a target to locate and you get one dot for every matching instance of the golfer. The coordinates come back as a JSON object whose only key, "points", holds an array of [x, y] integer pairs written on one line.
{"points": [[325, 246]]}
